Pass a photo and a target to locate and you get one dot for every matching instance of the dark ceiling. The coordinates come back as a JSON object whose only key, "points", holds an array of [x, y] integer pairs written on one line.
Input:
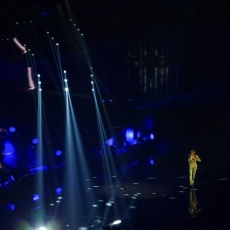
{"points": [[192, 34]]}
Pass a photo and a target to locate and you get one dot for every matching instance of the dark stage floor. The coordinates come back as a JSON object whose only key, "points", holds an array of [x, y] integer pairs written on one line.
{"points": [[144, 203]]}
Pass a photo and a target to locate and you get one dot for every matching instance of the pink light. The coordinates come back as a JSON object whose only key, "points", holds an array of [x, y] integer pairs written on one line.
{"points": [[30, 79], [19, 45]]}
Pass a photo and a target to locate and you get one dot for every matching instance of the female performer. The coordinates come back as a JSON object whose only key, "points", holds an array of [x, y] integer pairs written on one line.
{"points": [[192, 159]]}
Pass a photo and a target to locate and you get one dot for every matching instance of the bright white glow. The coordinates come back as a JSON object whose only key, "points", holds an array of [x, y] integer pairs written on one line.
{"points": [[59, 198], [52, 38], [92, 89], [66, 89], [19, 45], [42, 228], [47, 32], [30, 79], [108, 204], [39, 82], [32, 54], [78, 29], [91, 75], [38, 75], [57, 44], [64, 71], [51, 204], [82, 34], [65, 80], [58, 201], [91, 82], [17, 22], [91, 67], [117, 222], [40, 89]]}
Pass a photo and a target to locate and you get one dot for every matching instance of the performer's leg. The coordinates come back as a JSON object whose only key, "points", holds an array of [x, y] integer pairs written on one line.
{"points": [[190, 174], [194, 172]]}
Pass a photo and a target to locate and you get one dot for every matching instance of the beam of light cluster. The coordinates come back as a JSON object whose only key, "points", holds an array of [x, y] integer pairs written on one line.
{"points": [[30, 79], [39, 153], [77, 170], [19, 45]]}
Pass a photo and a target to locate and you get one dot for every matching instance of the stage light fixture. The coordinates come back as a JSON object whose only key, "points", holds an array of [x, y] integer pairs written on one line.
{"points": [[66, 89], [57, 44], [39, 82], [91, 75], [52, 38], [65, 80], [12, 129], [92, 89], [151, 136], [59, 190], [58, 152], [116, 222], [35, 141], [64, 71], [17, 22], [78, 29], [32, 54], [92, 82], [47, 32], [36, 197], [74, 24], [91, 67], [82, 34], [24, 45], [40, 89], [71, 19], [38, 75]]}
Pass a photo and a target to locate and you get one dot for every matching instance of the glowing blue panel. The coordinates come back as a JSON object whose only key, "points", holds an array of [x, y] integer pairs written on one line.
{"points": [[11, 157], [12, 129], [58, 152], [35, 141], [59, 191], [110, 142], [151, 136], [12, 207], [151, 162], [36, 197], [138, 134], [129, 135]]}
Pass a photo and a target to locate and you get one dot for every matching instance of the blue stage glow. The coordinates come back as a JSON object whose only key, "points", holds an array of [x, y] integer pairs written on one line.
{"points": [[151, 162], [129, 135], [134, 163], [59, 191], [12, 207], [44, 13], [35, 141], [12, 129], [58, 152], [36, 197], [11, 157], [110, 142], [151, 136]]}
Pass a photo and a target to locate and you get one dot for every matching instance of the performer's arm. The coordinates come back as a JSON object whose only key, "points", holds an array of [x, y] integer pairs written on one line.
{"points": [[197, 158]]}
